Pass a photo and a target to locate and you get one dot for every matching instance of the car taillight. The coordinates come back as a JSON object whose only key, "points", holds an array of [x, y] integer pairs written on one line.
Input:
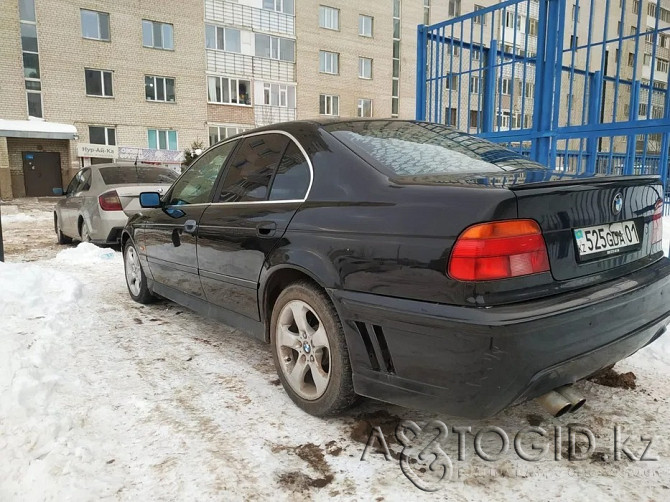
{"points": [[657, 223], [109, 201], [499, 250]]}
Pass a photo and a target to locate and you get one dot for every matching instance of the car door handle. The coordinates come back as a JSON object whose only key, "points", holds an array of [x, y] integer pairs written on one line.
{"points": [[190, 227], [266, 228]]}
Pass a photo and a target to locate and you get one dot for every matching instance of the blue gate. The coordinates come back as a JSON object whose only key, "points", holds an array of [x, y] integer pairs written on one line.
{"points": [[579, 86]]}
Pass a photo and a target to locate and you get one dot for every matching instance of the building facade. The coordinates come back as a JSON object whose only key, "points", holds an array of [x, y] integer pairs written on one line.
{"points": [[86, 81]]}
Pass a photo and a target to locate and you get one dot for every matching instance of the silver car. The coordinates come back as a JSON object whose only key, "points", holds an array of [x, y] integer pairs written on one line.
{"points": [[100, 198]]}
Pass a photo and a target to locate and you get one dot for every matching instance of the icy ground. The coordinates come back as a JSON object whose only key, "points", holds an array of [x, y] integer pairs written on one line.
{"points": [[102, 398]]}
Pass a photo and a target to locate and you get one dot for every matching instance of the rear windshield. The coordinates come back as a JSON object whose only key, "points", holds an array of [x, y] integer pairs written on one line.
{"points": [[419, 148], [129, 175]]}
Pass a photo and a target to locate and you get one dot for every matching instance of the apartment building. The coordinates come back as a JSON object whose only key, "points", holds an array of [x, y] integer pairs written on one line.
{"points": [[90, 81]]}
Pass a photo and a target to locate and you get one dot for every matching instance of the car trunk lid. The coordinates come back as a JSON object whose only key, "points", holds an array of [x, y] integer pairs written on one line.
{"points": [[130, 196], [593, 225]]}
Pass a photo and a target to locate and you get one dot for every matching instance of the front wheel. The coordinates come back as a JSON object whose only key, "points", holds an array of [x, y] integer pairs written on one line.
{"points": [[310, 351], [135, 278]]}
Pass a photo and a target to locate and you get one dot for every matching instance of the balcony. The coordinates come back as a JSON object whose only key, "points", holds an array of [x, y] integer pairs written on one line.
{"points": [[243, 65], [244, 16], [267, 115]]}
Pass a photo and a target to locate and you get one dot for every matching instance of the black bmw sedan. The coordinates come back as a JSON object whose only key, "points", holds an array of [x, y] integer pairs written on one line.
{"points": [[408, 262]]}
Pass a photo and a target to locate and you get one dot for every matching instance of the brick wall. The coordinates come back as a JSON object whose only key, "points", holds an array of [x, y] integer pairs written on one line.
{"points": [[230, 114]]}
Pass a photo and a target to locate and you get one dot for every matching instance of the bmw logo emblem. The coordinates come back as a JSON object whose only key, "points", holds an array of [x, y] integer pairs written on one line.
{"points": [[617, 204], [306, 347]]}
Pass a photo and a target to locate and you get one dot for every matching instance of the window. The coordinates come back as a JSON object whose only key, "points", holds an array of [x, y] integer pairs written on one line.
{"points": [[505, 86], [636, 6], [365, 68], [98, 83], [94, 25], [100, 135], [414, 149], [157, 35], [575, 13], [451, 82], [395, 79], [34, 104], [285, 6], [475, 54], [530, 90], [651, 9], [475, 118], [481, 19], [503, 120], [137, 175], [450, 116], [647, 59], [626, 110], [454, 8], [279, 95], [510, 20], [656, 112], [27, 10], [219, 133], [292, 177], [662, 65], [196, 184], [329, 18], [329, 105], [426, 11], [665, 15], [159, 89], [223, 39], [329, 62], [532, 27], [365, 25], [282, 49], [642, 109], [365, 108], [31, 60], [229, 91], [162, 139], [662, 40], [474, 85], [250, 171], [633, 30], [574, 41], [631, 59]]}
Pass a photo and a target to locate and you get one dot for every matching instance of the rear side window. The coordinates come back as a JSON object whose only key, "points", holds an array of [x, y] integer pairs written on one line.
{"points": [[250, 172], [416, 148], [292, 178], [128, 175]]}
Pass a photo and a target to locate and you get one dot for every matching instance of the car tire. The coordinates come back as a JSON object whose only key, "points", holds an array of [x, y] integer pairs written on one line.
{"points": [[305, 330], [61, 238], [84, 232], [135, 278]]}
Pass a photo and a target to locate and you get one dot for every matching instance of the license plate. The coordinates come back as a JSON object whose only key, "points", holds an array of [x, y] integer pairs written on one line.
{"points": [[606, 239]]}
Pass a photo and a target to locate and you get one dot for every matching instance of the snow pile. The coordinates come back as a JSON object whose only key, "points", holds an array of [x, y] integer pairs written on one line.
{"points": [[87, 253], [25, 217]]}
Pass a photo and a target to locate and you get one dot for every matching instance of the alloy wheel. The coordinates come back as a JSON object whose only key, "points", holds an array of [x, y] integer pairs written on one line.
{"points": [[133, 271], [303, 350]]}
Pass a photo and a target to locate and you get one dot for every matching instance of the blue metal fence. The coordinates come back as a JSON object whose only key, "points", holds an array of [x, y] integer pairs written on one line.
{"points": [[578, 85]]}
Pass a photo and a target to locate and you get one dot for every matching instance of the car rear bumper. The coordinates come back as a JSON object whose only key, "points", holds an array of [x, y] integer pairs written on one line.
{"points": [[474, 362]]}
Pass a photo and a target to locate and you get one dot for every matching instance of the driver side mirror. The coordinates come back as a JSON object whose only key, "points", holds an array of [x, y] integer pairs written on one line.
{"points": [[150, 199], [58, 191]]}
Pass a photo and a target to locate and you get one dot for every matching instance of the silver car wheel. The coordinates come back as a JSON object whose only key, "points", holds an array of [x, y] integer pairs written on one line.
{"points": [[303, 350], [133, 271], [85, 234]]}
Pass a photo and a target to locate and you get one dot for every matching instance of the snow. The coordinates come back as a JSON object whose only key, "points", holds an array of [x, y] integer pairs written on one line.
{"points": [[37, 126], [103, 398]]}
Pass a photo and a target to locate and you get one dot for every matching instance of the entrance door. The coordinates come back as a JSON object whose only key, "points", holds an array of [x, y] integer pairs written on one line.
{"points": [[41, 173]]}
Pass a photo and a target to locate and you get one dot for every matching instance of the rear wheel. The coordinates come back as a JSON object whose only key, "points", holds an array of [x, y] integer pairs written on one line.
{"points": [[135, 278], [84, 232], [60, 237], [310, 351]]}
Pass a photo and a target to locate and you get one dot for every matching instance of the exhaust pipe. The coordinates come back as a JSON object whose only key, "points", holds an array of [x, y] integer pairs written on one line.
{"points": [[555, 403], [569, 393]]}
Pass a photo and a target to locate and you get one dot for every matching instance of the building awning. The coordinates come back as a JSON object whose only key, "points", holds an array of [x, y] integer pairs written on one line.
{"points": [[36, 129]]}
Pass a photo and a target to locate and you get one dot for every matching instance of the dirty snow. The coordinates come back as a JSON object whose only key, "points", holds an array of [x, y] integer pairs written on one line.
{"points": [[102, 398]]}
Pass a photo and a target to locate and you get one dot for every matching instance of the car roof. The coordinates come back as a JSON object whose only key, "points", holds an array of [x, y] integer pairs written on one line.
{"points": [[125, 164]]}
